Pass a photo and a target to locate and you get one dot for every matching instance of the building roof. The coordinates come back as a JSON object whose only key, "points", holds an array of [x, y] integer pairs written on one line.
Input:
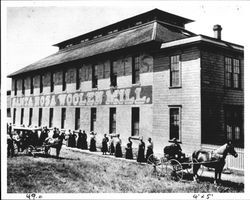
{"points": [[153, 31]]}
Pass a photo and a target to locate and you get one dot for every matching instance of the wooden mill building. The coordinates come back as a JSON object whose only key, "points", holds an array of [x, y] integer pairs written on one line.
{"points": [[143, 76]]}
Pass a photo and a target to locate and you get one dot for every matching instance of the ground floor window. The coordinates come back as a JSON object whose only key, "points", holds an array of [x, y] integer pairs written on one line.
{"points": [[51, 115], [40, 116], [112, 120], [77, 119], [93, 119], [234, 125], [30, 116], [14, 115], [135, 121], [175, 122], [8, 112], [22, 113], [63, 117]]}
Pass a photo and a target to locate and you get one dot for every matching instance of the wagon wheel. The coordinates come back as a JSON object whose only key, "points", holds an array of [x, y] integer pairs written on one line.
{"points": [[173, 170], [153, 166], [201, 169]]}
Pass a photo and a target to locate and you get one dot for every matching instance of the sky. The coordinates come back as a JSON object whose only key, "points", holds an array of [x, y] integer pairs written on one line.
{"points": [[32, 29]]}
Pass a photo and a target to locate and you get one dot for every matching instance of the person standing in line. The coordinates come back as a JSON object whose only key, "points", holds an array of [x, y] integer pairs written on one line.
{"points": [[118, 148], [85, 143], [149, 148], [92, 142], [129, 152], [10, 145], [80, 140], [105, 144], [70, 139], [141, 151], [74, 139], [111, 146]]}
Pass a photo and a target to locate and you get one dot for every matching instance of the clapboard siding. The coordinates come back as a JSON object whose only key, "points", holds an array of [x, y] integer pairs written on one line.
{"points": [[214, 95], [187, 96]]}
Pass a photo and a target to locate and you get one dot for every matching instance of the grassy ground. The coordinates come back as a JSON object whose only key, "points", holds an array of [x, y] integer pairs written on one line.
{"points": [[79, 172]]}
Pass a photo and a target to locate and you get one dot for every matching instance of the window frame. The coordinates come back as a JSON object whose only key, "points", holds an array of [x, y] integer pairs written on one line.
{"points": [[171, 85], [51, 116], [135, 131], [40, 117], [232, 122], [232, 74], [78, 78], [93, 117], [41, 83], [23, 86], [30, 116], [171, 136], [14, 115], [64, 83], [31, 85], [52, 82], [77, 118], [112, 121], [63, 117], [22, 116], [136, 69], [113, 75], [94, 76]]}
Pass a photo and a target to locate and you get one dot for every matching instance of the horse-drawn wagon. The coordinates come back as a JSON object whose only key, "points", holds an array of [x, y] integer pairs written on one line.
{"points": [[174, 165], [34, 140]]}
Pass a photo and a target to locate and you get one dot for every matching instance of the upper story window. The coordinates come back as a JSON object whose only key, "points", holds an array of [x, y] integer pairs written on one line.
{"points": [[232, 73], [113, 75], [41, 83], [15, 87], [31, 85], [136, 69], [64, 80], [23, 86], [78, 80], [175, 71], [94, 76], [52, 83]]}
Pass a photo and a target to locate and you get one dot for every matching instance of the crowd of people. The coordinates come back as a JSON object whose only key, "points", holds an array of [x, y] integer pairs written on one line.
{"points": [[111, 144]]}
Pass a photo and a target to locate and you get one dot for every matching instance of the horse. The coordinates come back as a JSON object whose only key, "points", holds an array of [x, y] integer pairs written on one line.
{"points": [[213, 159], [55, 143]]}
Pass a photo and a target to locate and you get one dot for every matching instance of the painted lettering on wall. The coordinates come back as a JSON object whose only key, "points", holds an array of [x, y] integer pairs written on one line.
{"points": [[124, 96]]}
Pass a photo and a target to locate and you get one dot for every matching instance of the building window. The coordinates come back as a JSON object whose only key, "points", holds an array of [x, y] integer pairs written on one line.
{"points": [[112, 120], [113, 75], [40, 116], [22, 114], [23, 86], [232, 73], [78, 80], [14, 115], [77, 119], [175, 122], [41, 83], [30, 116], [94, 76], [175, 75], [136, 69], [8, 112], [135, 121], [234, 124], [15, 87], [63, 118], [52, 83], [64, 80], [51, 115], [92, 119], [31, 85]]}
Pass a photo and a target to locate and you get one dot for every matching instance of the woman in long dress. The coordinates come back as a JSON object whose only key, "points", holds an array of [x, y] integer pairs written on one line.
{"points": [[85, 143], [149, 148], [105, 144], [118, 149], [80, 140], [111, 146], [92, 142], [141, 151], [129, 152]]}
